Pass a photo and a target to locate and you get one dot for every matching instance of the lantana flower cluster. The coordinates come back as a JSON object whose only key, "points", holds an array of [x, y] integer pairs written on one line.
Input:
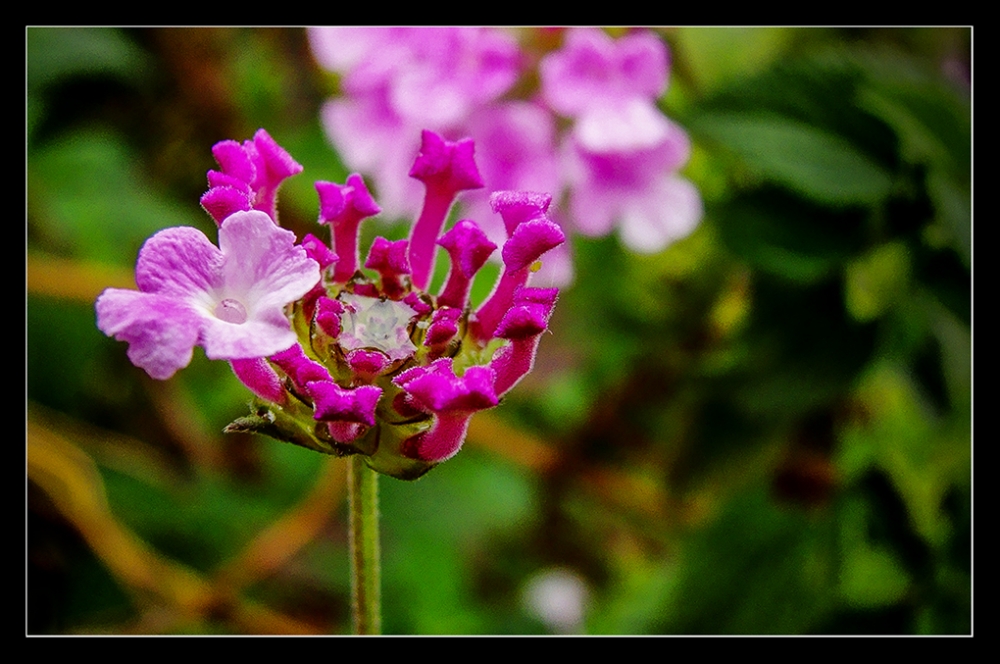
{"points": [[589, 131], [343, 361]]}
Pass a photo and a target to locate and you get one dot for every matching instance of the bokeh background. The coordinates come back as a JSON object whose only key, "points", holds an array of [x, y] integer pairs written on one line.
{"points": [[764, 429]]}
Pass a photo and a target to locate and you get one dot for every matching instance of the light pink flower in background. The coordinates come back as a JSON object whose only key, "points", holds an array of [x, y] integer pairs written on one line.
{"points": [[400, 81], [592, 135], [622, 155], [637, 191]]}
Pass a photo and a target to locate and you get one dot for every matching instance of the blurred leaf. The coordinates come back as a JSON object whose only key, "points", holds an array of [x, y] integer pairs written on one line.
{"points": [[726, 445], [800, 361], [755, 569], [922, 455], [955, 338], [817, 90], [870, 574], [55, 53], [934, 125], [72, 481], [432, 526], [948, 280], [64, 351], [806, 159], [87, 193], [953, 204], [635, 602], [206, 522], [872, 577], [714, 55], [877, 280], [788, 237]]}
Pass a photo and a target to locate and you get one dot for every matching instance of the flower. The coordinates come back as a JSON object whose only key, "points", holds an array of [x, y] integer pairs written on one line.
{"points": [[385, 367], [400, 81], [583, 125], [250, 177], [639, 191], [340, 360], [227, 299], [622, 155], [609, 87]]}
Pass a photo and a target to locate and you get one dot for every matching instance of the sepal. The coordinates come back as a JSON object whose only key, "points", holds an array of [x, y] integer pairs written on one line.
{"points": [[292, 424]]}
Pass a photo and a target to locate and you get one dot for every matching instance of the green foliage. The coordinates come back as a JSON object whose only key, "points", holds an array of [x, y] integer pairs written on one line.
{"points": [[58, 55], [764, 429], [817, 164], [91, 199]]}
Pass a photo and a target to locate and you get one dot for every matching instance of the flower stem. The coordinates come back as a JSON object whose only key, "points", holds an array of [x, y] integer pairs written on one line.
{"points": [[366, 597]]}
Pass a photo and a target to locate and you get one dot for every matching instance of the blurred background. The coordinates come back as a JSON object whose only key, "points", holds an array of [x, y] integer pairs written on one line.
{"points": [[764, 429]]}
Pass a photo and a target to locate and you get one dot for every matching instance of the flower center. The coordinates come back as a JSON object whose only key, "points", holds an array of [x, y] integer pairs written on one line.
{"points": [[231, 311], [371, 322]]}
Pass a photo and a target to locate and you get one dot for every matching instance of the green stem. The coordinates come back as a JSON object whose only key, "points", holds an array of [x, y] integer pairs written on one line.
{"points": [[366, 593]]}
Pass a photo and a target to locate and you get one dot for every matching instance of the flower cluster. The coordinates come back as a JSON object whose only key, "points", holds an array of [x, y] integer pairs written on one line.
{"points": [[614, 163], [343, 361]]}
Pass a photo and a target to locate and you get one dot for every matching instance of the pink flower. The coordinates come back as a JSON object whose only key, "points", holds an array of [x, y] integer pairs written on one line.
{"points": [[609, 87], [516, 151], [459, 82], [426, 353], [340, 361], [394, 327], [449, 73], [622, 156], [250, 176], [228, 299], [639, 191]]}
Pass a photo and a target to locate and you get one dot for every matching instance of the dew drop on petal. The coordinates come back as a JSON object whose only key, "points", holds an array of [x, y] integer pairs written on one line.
{"points": [[231, 311]]}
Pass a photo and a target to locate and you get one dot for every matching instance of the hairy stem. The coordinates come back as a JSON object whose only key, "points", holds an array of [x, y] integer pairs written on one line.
{"points": [[366, 597]]}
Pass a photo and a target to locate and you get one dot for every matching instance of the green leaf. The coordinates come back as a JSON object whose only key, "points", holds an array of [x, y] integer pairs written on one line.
{"points": [[756, 569], [870, 575], [875, 281], [788, 237], [923, 455], [55, 53], [804, 350], [88, 193], [715, 55], [932, 120], [934, 125], [806, 159]]}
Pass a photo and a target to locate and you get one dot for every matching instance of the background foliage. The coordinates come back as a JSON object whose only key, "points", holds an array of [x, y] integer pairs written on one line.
{"points": [[765, 429]]}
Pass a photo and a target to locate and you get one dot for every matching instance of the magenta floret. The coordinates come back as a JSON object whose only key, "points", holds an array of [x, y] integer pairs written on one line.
{"points": [[391, 261], [445, 168], [250, 177], [343, 207], [523, 324], [469, 249], [338, 404], [452, 399], [530, 234]]}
